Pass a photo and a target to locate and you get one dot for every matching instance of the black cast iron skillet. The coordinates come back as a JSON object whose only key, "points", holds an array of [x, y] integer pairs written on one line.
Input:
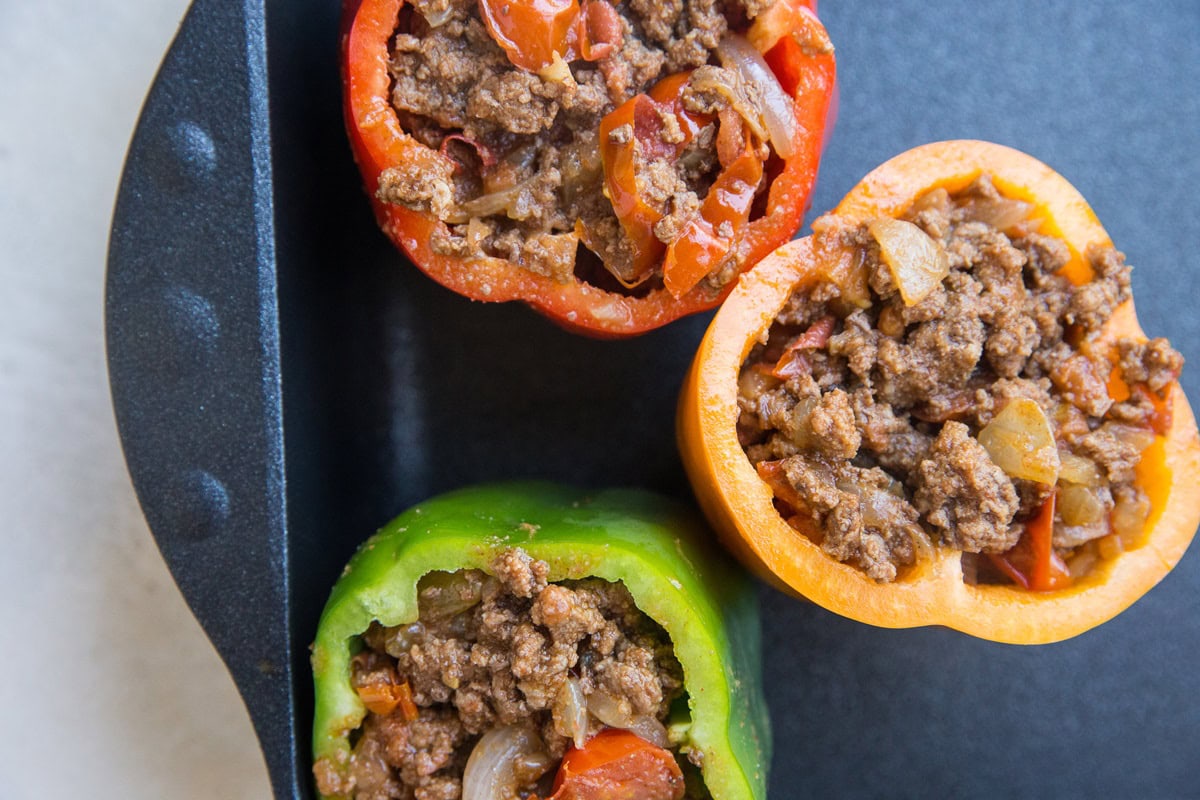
{"points": [[284, 382]]}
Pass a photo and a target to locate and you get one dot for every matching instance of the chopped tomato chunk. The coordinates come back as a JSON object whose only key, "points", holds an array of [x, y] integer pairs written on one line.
{"points": [[617, 765]]}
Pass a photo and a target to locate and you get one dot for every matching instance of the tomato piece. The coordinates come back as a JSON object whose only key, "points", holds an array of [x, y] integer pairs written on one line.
{"points": [[709, 236], [773, 475], [384, 698], [645, 115], [617, 765], [1032, 562], [793, 361], [637, 217], [600, 32], [533, 32]]}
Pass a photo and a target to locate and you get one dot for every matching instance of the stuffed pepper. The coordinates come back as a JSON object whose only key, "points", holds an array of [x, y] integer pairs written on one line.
{"points": [[940, 408], [533, 641], [615, 166]]}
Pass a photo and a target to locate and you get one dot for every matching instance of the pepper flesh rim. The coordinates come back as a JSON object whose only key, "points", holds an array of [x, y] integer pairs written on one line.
{"points": [[739, 503], [655, 548], [378, 140]]}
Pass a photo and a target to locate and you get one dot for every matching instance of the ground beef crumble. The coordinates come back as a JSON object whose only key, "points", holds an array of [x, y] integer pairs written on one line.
{"points": [[887, 402], [524, 147], [493, 649]]}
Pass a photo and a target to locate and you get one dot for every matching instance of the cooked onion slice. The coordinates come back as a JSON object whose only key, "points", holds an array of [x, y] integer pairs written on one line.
{"points": [[436, 18], [1129, 516], [516, 202], [1021, 442], [774, 108], [571, 712], [503, 760], [1079, 470], [616, 712], [1079, 505], [917, 263], [441, 595], [1137, 438], [1002, 213], [650, 729]]}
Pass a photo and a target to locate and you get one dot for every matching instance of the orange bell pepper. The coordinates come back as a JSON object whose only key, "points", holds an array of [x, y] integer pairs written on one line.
{"points": [[799, 53], [740, 503]]}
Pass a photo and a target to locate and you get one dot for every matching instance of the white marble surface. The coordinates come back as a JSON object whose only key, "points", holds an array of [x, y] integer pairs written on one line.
{"points": [[108, 687]]}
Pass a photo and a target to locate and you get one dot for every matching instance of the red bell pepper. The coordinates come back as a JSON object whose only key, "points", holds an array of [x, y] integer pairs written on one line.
{"points": [[795, 46]]}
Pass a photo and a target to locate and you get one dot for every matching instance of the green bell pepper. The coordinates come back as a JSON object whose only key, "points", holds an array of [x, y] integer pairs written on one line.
{"points": [[655, 547]]}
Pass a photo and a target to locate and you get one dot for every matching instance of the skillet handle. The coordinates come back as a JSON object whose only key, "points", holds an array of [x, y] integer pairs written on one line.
{"points": [[192, 335]]}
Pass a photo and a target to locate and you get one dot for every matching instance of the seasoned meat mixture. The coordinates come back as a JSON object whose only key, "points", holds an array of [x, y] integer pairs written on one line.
{"points": [[956, 395], [502, 649], [524, 177]]}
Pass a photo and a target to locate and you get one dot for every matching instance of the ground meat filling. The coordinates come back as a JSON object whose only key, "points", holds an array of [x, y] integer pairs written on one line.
{"points": [[525, 180], [884, 426], [502, 649]]}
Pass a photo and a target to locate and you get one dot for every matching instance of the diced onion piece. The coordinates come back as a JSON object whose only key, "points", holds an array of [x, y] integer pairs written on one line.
{"points": [[570, 712], [1020, 441], [1003, 213], [446, 594], [616, 712], [1138, 438], [503, 760], [1129, 516], [400, 639], [774, 107], [839, 263], [651, 730], [516, 202], [917, 263], [1109, 546], [934, 200], [436, 18], [556, 71], [613, 711], [1079, 505], [755, 383], [1082, 561], [922, 545], [1079, 470]]}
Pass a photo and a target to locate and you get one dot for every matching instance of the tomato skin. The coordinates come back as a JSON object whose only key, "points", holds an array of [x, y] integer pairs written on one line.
{"points": [[618, 765], [533, 32], [1032, 563]]}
